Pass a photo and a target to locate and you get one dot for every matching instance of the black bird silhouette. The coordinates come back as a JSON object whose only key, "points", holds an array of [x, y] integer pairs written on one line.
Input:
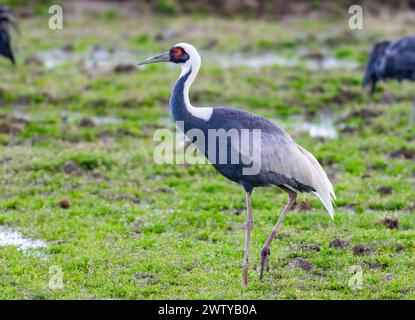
{"points": [[391, 60], [6, 20]]}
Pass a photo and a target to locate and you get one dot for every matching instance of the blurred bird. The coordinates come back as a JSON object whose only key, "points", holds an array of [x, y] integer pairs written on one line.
{"points": [[280, 161], [391, 60], [6, 20]]}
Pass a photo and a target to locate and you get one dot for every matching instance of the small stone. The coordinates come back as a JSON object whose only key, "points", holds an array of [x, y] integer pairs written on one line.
{"points": [[64, 203], [390, 222], [362, 250]]}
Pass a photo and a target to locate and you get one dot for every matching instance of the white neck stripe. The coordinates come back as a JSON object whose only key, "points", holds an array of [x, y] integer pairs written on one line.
{"points": [[193, 65]]}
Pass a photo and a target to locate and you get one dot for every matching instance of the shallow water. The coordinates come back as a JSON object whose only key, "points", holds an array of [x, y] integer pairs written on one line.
{"points": [[104, 120], [273, 59], [12, 237], [94, 59], [321, 126], [253, 62], [75, 117], [100, 59]]}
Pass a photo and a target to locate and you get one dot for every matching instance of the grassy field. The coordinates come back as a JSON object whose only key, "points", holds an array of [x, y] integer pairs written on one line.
{"points": [[76, 165]]}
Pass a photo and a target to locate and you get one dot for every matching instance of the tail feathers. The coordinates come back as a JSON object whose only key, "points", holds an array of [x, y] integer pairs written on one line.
{"points": [[320, 182]]}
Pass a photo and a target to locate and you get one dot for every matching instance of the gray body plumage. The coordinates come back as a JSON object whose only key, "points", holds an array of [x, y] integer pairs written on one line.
{"points": [[282, 161], [391, 60], [274, 142]]}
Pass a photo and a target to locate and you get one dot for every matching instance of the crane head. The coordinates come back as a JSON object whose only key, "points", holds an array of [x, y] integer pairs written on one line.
{"points": [[183, 54]]}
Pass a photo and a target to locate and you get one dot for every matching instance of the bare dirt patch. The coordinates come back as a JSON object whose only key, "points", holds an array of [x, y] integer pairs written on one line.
{"points": [[385, 190], [339, 244], [362, 250], [402, 153], [301, 263], [390, 222]]}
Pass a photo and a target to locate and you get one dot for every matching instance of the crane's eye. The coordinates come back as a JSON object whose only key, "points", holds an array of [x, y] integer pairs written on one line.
{"points": [[177, 54]]}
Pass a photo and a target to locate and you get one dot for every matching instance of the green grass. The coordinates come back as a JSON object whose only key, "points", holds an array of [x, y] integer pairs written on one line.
{"points": [[138, 230]]}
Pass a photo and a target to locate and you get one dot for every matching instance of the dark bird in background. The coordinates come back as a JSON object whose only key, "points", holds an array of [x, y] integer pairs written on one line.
{"points": [[280, 161], [391, 60], [6, 20]]}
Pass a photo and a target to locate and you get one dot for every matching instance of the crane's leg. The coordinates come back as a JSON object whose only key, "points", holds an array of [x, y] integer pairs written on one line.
{"points": [[265, 251], [412, 116], [248, 229]]}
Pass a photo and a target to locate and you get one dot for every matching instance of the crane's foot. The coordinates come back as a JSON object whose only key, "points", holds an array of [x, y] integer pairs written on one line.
{"points": [[265, 253]]}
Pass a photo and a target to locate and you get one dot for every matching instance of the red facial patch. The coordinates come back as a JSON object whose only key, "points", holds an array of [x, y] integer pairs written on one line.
{"points": [[177, 53]]}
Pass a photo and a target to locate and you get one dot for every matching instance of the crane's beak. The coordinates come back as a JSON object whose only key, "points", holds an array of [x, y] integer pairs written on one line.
{"points": [[164, 57]]}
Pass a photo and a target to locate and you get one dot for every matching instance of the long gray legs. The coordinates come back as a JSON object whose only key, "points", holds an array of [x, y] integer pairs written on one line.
{"points": [[412, 116], [248, 229], [265, 251]]}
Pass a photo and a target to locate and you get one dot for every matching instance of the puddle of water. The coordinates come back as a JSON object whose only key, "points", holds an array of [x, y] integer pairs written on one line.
{"points": [[101, 59], [331, 63], [273, 59], [20, 116], [322, 126], [11, 237], [253, 62], [95, 59], [103, 120], [56, 57], [75, 117]]}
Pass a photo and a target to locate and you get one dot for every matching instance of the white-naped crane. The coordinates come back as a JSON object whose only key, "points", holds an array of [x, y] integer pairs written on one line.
{"points": [[6, 20], [280, 160], [392, 60]]}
